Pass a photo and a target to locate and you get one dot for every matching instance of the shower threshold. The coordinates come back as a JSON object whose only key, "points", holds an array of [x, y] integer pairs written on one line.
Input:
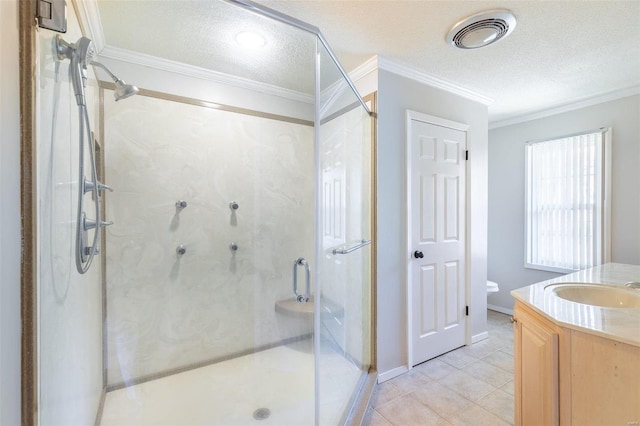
{"points": [[279, 379]]}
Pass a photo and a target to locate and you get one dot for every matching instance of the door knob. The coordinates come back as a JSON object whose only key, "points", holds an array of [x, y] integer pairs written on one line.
{"points": [[418, 254]]}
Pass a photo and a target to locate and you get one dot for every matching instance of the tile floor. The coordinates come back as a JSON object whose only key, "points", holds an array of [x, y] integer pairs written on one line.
{"points": [[472, 385]]}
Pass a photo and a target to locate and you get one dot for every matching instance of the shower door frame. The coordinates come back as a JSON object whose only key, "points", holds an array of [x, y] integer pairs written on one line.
{"points": [[28, 200], [28, 206]]}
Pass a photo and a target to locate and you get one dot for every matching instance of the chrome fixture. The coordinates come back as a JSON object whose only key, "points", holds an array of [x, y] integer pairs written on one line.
{"points": [[52, 14], [359, 245], [278, 16], [482, 29], [261, 413], [80, 55], [123, 90], [234, 206], [181, 205], [233, 247], [89, 186], [181, 249], [302, 298], [633, 284]]}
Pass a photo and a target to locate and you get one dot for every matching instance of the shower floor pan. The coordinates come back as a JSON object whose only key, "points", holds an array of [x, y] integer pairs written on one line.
{"points": [[237, 392]]}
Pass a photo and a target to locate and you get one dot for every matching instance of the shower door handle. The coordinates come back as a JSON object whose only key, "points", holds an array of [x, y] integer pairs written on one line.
{"points": [[302, 298]]}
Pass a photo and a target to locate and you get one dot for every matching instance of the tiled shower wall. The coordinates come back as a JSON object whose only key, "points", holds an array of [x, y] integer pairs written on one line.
{"points": [[166, 311], [69, 304]]}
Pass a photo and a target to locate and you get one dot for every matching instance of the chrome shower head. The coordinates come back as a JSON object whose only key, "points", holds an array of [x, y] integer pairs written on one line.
{"points": [[80, 54], [123, 90]]}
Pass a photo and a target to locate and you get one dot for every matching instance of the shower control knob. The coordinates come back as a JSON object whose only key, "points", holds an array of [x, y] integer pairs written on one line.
{"points": [[91, 224], [233, 205], [102, 187], [90, 186], [418, 254], [181, 249], [302, 299]]}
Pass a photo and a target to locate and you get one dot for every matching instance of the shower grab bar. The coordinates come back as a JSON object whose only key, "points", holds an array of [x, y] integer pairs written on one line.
{"points": [[354, 248], [302, 298]]}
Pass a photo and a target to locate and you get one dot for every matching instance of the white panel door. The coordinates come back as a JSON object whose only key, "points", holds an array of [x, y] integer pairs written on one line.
{"points": [[437, 239]]}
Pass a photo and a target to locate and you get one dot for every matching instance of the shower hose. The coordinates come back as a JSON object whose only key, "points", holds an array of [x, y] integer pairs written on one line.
{"points": [[81, 224]]}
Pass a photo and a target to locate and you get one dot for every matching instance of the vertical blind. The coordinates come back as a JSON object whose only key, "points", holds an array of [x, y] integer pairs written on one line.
{"points": [[564, 202]]}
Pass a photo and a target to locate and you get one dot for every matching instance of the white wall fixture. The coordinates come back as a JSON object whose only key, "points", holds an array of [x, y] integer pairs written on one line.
{"points": [[482, 29], [250, 40]]}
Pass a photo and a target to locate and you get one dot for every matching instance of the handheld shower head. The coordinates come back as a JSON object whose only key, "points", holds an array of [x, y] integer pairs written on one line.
{"points": [[84, 51], [123, 90], [80, 54]]}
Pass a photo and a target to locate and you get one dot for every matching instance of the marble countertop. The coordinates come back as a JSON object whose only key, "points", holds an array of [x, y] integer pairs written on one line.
{"points": [[620, 324]]}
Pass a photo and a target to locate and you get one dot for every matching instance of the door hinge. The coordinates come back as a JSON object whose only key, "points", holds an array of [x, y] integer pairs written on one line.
{"points": [[466, 155], [52, 14], [466, 310]]}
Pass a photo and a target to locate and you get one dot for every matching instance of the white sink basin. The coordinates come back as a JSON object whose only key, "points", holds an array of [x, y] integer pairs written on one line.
{"points": [[598, 295]]}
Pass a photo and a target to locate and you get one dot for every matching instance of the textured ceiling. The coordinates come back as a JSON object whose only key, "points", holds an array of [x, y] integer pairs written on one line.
{"points": [[560, 52], [202, 33]]}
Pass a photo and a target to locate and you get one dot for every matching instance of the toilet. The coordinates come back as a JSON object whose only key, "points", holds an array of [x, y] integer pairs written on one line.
{"points": [[492, 287]]}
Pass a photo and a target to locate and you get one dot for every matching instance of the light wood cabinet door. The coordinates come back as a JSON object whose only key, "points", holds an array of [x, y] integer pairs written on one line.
{"points": [[605, 388], [536, 377]]}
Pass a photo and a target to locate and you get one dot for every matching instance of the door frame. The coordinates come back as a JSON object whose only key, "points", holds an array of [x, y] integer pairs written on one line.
{"points": [[442, 122]]}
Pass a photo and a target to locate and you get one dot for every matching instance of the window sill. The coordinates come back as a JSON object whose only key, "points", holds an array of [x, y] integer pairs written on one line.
{"points": [[549, 268]]}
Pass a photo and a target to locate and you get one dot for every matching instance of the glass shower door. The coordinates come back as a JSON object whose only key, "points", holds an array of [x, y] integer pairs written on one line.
{"points": [[343, 321]]}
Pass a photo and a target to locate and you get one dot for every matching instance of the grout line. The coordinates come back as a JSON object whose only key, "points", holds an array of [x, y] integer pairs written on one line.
{"points": [[494, 412], [503, 342]]}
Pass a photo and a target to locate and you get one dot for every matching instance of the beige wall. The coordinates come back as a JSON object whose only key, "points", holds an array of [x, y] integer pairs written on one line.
{"points": [[506, 189], [9, 216]]}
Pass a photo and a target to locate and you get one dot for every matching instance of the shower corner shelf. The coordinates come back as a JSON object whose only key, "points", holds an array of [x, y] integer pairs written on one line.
{"points": [[291, 307]]}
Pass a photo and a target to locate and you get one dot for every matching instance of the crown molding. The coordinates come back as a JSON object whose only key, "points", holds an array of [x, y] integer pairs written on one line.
{"points": [[583, 103], [154, 62], [90, 17], [367, 67], [330, 95], [150, 61], [429, 80]]}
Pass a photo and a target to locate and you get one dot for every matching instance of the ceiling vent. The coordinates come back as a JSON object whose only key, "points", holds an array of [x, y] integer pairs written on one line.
{"points": [[482, 29]]}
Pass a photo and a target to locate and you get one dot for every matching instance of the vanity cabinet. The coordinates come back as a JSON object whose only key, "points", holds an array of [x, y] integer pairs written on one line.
{"points": [[568, 377], [536, 367]]}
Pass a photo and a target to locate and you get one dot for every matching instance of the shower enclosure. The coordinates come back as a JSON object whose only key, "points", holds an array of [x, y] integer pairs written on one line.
{"points": [[234, 285]]}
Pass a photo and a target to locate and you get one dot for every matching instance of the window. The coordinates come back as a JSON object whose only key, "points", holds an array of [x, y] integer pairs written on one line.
{"points": [[567, 202]]}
